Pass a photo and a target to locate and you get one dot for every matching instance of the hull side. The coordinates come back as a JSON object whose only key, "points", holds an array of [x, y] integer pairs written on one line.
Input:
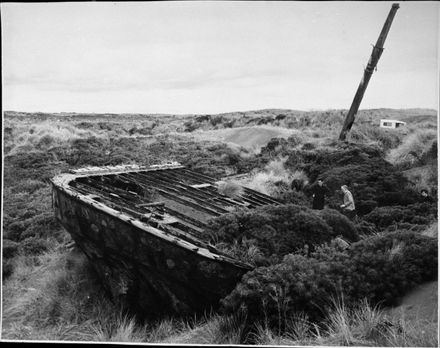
{"points": [[150, 274]]}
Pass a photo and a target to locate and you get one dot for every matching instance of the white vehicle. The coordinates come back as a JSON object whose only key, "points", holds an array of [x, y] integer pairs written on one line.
{"points": [[391, 123]]}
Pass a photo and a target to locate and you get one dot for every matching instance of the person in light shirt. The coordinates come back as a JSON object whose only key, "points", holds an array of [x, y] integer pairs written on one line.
{"points": [[348, 208]]}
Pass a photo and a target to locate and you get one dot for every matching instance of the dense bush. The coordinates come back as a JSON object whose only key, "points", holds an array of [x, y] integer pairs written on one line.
{"points": [[339, 223], [10, 248], [372, 181], [86, 151], [35, 225], [31, 185], [33, 246], [276, 292], [142, 131], [403, 197], [419, 213], [273, 145], [293, 197], [380, 269], [84, 125], [365, 206], [45, 142], [383, 268], [14, 230], [216, 160], [7, 269], [277, 230], [28, 160], [365, 228]]}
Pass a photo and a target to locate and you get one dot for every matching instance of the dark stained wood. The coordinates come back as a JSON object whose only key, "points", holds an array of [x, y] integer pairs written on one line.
{"points": [[372, 63]]}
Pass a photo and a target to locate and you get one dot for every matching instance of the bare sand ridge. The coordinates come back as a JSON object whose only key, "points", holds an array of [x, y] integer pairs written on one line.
{"points": [[248, 137]]}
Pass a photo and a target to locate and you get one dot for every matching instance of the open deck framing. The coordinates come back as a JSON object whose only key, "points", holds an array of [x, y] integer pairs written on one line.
{"points": [[144, 230]]}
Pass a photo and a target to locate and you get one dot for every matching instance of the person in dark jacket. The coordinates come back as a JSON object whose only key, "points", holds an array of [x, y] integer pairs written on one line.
{"points": [[319, 191]]}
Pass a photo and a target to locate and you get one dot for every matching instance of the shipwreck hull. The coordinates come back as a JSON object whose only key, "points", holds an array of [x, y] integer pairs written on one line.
{"points": [[152, 261]]}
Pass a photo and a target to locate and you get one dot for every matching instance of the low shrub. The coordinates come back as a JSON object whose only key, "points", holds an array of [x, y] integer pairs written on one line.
{"points": [[276, 292], [14, 230], [365, 228], [299, 180], [293, 197], [419, 213], [31, 185], [379, 269], [30, 160], [10, 248], [403, 197], [37, 225], [33, 246], [340, 224], [308, 146], [274, 145], [45, 141], [105, 126], [383, 268], [365, 206], [372, 180], [7, 269], [84, 125], [277, 230], [191, 126]]}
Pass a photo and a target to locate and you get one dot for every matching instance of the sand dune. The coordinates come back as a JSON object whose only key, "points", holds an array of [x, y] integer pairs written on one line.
{"points": [[249, 137]]}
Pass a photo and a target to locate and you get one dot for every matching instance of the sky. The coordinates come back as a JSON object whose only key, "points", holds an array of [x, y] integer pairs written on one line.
{"points": [[215, 56]]}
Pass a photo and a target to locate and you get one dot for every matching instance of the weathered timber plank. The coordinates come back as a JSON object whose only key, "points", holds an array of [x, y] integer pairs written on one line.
{"points": [[180, 191]]}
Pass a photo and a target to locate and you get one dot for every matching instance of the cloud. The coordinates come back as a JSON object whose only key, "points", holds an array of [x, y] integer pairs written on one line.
{"points": [[223, 54]]}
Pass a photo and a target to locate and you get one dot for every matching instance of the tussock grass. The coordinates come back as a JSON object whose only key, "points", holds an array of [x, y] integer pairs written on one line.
{"points": [[362, 325], [166, 329], [373, 135], [230, 188], [413, 148], [420, 333], [211, 329], [45, 135], [52, 296], [244, 250], [120, 329], [274, 179], [431, 230]]}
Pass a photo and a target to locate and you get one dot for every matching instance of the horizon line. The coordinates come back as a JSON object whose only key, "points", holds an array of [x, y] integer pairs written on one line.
{"points": [[214, 113]]}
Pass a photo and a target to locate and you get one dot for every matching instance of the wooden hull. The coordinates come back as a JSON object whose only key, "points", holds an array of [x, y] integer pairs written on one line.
{"points": [[147, 269]]}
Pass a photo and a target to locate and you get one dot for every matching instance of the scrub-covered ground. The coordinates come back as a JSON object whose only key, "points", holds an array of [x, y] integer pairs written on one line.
{"points": [[305, 289]]}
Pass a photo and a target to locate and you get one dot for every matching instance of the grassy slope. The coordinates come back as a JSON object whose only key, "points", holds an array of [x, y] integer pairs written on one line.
{"points": [[420, 304]]}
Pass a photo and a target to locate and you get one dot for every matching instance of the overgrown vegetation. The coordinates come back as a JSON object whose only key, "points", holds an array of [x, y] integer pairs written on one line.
{"points": [[380, 269], [306, 288], [275, 231]]}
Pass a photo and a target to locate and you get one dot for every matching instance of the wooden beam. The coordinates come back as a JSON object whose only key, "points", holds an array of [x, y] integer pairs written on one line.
{"points": [[375, 56]]}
